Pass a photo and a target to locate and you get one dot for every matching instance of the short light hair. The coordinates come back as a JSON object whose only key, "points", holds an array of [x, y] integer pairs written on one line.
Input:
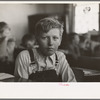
{"points": [[46, 24]]}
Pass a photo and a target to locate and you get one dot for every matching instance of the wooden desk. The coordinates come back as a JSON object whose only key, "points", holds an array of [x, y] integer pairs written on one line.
{"points": [[90, 75], [86, 75], [5, 77], [95, 78]]}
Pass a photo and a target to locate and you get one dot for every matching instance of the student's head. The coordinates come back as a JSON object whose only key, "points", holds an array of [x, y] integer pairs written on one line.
{"points": [[74, 38], [28, 41], [97, 51], [48, 32], [4, 30], [84, 43]]}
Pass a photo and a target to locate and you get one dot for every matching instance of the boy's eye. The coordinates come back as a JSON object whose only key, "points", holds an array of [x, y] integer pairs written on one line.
{"points": [[44, 37], [55, 38]]}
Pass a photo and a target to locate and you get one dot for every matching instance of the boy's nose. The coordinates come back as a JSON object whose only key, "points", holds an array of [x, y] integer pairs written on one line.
{"points": [[50, 41]]}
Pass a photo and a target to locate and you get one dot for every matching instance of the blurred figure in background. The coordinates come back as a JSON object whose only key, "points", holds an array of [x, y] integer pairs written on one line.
{"points": [[73, 45], [28, 41], [6, 49], [72, 51], [96, 51], [87, 45], [11, 46], [84, 45]]}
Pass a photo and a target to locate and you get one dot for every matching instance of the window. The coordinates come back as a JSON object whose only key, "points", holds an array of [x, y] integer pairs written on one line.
{"points": [[86, 17]]}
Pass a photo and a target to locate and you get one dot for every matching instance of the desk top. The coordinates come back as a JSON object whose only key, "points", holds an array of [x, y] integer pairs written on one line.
{"points": [[15, 79], [5, 77], [89, 72]]}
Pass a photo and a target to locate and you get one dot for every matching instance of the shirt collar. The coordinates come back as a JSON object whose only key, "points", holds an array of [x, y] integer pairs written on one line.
{"points": [[52, 57]]}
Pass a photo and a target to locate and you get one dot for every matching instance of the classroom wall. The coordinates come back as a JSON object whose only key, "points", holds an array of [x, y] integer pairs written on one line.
{"points": [[16, 15]]}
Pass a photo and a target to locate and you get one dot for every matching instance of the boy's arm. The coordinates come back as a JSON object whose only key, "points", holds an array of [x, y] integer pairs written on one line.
{"points": [[65, 70], [21, 65], [3, 47]]}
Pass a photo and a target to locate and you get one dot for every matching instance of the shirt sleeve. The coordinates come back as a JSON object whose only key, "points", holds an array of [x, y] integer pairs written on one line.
{"points": [[21, 65], [65, 70]]}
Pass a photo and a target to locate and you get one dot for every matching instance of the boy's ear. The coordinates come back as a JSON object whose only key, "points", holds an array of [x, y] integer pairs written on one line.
{"points": [[60, 40]]}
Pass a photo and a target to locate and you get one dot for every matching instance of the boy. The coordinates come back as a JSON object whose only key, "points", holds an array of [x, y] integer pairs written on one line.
{"points": [[46, 57]]}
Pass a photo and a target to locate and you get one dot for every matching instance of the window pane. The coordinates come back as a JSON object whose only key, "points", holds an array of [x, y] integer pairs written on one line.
{"points": [[86, 17]]}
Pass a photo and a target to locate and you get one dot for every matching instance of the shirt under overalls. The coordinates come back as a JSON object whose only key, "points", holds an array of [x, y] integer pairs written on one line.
{"points": [[24, 67]]}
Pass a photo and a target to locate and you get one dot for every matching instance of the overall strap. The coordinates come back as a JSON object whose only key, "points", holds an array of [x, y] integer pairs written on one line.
{"points": [[32, 57], [31, 54], [56, 59]]}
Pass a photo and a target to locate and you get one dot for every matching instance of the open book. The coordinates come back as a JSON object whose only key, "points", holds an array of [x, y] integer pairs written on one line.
{"points": [[5, 76]]}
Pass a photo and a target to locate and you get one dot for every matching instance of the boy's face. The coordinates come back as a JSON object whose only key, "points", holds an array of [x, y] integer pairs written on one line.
{"points": [[30, 44], [77, 39], [49, 42]]}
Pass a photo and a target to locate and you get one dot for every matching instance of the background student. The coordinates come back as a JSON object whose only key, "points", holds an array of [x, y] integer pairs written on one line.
{"points": [[7, 45]]}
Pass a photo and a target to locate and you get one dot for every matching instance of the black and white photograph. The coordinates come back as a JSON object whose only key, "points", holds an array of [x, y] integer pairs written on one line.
{"points": [[31, 50], [50, 43]]}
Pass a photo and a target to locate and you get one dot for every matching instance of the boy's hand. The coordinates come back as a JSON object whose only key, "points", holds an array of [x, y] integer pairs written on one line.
{"points": [[5, 35], [36, 46]]}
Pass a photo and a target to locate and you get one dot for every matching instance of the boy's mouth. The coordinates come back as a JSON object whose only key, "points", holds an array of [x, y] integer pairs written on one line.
{"points": [[50, 49]]}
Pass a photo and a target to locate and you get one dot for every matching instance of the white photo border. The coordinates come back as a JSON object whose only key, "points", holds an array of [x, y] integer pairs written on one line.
{"points": [[44, 90]]}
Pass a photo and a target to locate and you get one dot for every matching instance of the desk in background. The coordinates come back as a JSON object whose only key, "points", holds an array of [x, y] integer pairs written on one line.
{"points": [[90, 75]]}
